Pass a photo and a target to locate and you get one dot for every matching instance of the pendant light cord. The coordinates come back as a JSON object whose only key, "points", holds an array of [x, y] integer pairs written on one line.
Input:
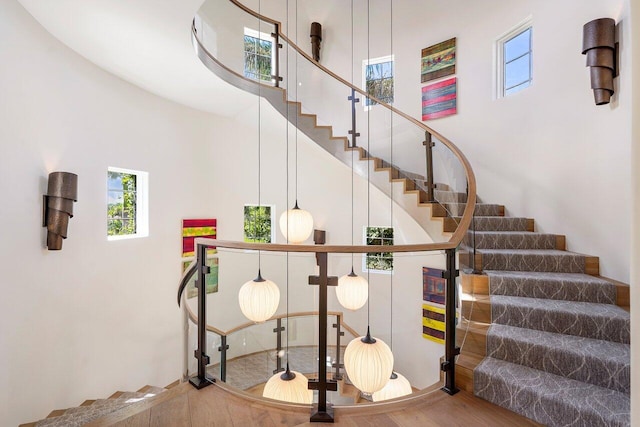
{"points": [[287, 186], [393, 72], [368, 165], [296, 183], [259, 147], [353, 149]]}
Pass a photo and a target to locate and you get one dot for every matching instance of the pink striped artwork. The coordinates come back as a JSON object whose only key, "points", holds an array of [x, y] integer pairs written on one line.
{"points": [[439, 99]]}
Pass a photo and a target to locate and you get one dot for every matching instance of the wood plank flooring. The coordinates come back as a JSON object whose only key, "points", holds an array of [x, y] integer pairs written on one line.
{"points": [[215, 406]]}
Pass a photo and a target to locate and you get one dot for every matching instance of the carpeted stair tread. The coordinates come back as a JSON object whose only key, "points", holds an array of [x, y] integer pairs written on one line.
{"points": [[510, 240], [499, 223], [482, 209], [559, 286], [590, 320], [549, 399], [545, 260], [602, 363]]}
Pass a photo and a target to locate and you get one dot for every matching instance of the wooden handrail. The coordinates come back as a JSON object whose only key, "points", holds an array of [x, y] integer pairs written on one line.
{"points": [[467, 216]]}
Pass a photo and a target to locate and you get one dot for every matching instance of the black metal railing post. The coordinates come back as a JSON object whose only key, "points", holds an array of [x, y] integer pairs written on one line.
{"points": [[353, 132], [223, 358], [429, 144], [202, 379], [278, 330], [276, 37], [339, 333], [451, 351]]}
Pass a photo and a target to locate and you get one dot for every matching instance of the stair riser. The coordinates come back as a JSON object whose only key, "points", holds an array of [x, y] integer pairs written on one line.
{"points": [[575, 363], [597, 325], [556, 290], [497, 223], [449, 197], [568, 263], [457, 209], [484, 240]]}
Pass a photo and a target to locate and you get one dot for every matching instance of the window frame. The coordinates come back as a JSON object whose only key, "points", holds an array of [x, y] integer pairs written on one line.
{"points": [[374, 61], [499, 58], [366, 256], [272, 219], [142, 204], [250, 32]]}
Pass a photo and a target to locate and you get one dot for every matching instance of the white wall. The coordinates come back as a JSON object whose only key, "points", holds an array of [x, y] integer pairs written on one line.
{"points": [[635, 219], [97, 316]]}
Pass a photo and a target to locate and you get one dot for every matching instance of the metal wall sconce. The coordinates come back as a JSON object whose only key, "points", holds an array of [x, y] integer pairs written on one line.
{"points": [[599, 44], [316, 38], [62, 192]]}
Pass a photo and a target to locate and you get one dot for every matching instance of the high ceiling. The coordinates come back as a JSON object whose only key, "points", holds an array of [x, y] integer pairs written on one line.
{"points": [[146, 42]]}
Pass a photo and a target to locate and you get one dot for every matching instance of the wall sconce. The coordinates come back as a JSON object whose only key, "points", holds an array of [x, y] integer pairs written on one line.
{"points": [[62, 192], [316, 38], [599, 44]]}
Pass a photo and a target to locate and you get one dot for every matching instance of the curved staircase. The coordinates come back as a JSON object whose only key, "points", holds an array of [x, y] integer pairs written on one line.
{"points": [[544, 335]]}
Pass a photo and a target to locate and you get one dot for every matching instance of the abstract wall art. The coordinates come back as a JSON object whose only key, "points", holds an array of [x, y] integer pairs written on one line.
{"points": [[440, 99], [438, 60]]}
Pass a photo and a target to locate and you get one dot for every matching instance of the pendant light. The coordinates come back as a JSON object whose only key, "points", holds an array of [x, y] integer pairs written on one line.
{"points": [[259, 298], [352, 290], [397, 386], [296, 225], [289, 386], [369, 363]]}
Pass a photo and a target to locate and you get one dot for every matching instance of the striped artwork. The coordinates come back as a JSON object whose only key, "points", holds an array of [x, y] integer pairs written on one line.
{"points": [[433, 325], [192, 228], [439, 99]]}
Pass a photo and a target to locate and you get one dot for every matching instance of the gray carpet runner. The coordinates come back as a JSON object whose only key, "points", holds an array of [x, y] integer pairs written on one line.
{"points": [[558, 347]]}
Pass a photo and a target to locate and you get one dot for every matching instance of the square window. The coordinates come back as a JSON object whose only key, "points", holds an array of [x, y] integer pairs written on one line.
{"points": [[258, 55], [127, 204], [258, 221], [513, 55], [378, 79], [381, 262]]}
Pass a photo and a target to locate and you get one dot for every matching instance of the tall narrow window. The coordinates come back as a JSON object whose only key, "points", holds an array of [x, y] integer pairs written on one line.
{"points": [[379, 261], [258, 55], [378, 78], [127, 203], [258, 222], [514, 54]]}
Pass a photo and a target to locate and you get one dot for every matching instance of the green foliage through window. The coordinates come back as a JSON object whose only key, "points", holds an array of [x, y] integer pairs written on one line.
{"points": [[379, 82], [122, 203], [257, 58], [257, 224], [381, 261]]}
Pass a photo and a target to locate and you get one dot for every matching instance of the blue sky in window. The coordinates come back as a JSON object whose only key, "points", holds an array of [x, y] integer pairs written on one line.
{"points": [[114, 182], [517, 72], [379, 71], [517, 46]]}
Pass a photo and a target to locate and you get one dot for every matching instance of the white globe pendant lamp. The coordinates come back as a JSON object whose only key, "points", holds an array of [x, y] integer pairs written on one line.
{"points": [[288, 386], [369, 363], [397, 386], [296, 224], [259, 299], [352, 291]]}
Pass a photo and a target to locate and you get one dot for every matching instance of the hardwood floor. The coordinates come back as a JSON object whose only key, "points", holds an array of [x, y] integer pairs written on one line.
{"points": [[216, 406]]}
